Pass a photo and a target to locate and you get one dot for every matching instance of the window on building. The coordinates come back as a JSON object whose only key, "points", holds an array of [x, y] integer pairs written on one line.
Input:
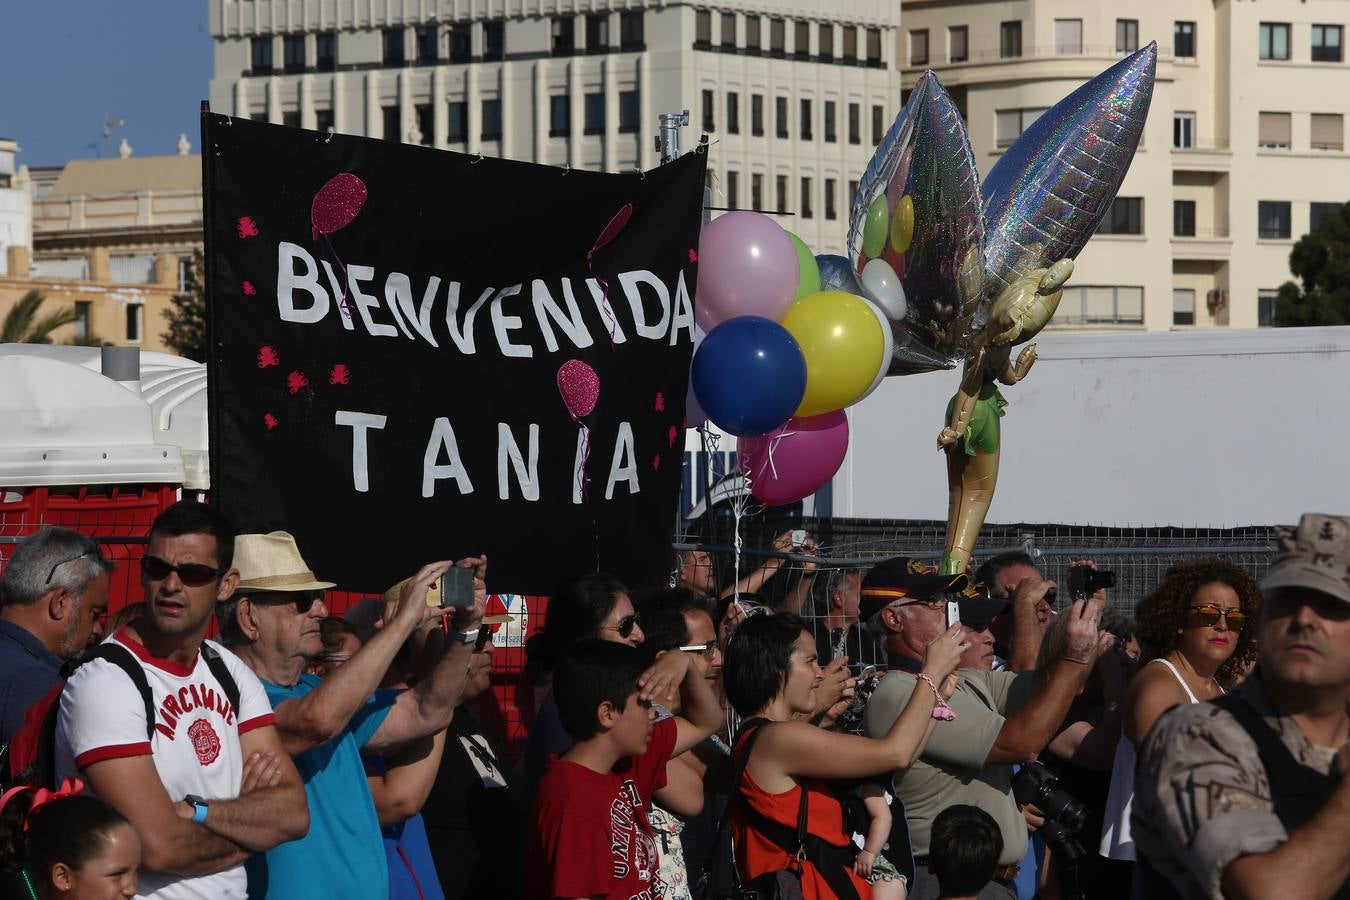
{"points": [[1010, 123], [1272, 219], [1125, 215], [729, 31], [1183, 39], [1265, 307], [757, 115], [878, 124], [702, 29], [804, 201], [1183, 130], [461, 44], [1328, 131], [709, 111], [777, 37], [1318, 210], [135, 316], [780, 109], [393, 46], [804, 113], [826, 39], [563, 31], [559, 115], [756, 191], [391, 122], [733, 112], [1273, 130], [632, 35], [1183, 306], [831, 207], [958, 43], [1183, 218], [1068, 37], [801, 40], [494, 40], [855, 123], [850, 43], [82, 311], [1274, 37], [597, 33], [918, 47], [492, 120], [293, 52], [594, 114], [630, 111], [428, 44], [457, 123], [1101, 305], [1326, 43], [874, 47], [325, 51], [752, 33], [291, 118], [426, 126], [852, 192], [1010, 39], [261, 48], [323, 120], [831, 129], [1127, 35], [780, 190], [733, 190]]}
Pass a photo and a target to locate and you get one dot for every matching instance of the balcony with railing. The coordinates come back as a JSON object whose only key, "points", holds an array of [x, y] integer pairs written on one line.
{"points": [[1203, 244], [1203, 156]]}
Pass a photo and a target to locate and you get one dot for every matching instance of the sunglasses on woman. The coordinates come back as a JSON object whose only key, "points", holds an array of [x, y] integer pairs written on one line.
{"points": [[626, 625], [191, 574], [1210, 615]]}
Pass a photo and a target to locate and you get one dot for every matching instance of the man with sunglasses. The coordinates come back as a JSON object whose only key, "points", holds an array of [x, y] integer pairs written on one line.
{"points": [[53, 594], [211, 785], [1001, 719], [272, 622], [1247, 796]]}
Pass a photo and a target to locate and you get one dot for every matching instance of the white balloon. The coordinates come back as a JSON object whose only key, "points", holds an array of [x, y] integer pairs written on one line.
{"points": [[883, 287], [889, 337]]}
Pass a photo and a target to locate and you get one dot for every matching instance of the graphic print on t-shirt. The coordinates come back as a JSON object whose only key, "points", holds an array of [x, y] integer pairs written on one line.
{"points": [[634, 850]]}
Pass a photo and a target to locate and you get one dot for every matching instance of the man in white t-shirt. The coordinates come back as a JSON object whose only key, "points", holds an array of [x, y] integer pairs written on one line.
{"points": [[206, 784]]}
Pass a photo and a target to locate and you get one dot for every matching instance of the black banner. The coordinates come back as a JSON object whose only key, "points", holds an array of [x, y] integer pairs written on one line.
{"points": [[406, 343]]}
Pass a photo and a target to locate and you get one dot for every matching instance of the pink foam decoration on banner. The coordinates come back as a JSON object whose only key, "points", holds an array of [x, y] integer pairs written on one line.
{"points": [[579, 386], [337, 203]]}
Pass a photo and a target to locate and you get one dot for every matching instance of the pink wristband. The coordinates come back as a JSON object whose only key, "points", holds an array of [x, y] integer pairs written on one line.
{"points": [[941, 711]]}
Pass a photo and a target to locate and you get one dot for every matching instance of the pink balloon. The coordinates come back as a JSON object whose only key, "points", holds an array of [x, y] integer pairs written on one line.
{"points": [[579, 386], [337, 203], [796, 459], [747, 266]]}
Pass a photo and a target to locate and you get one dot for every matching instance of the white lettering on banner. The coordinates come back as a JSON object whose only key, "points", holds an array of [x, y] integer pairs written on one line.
{"points": [[623, 467], [556, 308], [359, 422], [443, 438], [528, 476]]}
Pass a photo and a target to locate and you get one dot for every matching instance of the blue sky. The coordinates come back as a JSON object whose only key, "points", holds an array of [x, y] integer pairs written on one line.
{"points": [[67, 65]]}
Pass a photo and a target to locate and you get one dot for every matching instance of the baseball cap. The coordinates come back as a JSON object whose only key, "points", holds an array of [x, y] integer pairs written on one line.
{"points": [[902, 578], [1315, 555]]}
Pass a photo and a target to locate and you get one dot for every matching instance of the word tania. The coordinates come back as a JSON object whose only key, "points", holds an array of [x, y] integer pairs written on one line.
{"points": [[658, 313]]}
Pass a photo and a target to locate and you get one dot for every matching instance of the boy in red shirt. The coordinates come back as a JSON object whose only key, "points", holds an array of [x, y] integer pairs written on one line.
{"points": [[589, 832]]}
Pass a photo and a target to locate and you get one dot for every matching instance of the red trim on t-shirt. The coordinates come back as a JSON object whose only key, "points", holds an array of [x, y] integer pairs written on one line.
{"points": [[166, 665], [257, 722], [112, 751]]}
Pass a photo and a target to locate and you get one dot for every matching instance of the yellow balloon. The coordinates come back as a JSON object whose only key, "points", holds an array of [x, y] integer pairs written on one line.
{"points": [[902, 224], [842, 341]]}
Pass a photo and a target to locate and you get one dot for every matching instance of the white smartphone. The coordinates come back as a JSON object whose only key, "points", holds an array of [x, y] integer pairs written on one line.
{"points": [[953, 612], [799, 538]]}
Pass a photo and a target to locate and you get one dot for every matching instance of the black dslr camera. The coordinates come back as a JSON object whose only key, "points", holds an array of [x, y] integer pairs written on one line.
{"points": [[1037, 786]]}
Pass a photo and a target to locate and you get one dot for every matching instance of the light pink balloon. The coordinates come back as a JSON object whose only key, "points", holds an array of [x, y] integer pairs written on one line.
{"points": [[747, 266], [579, 386], [796, 459]]}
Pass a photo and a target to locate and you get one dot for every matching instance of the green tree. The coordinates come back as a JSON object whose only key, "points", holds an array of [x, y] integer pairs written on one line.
{"points": [[22, 325], [1321, 261], [187, 317]]}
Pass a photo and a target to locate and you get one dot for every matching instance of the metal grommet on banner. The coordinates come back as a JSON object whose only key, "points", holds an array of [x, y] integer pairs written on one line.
{"points": [[567, 168], [642, 176], [477, 158], [328, 139]]}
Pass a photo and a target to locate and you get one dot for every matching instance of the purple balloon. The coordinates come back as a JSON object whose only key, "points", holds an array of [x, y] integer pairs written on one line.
{"points": [[796, 459], [747, 266]]}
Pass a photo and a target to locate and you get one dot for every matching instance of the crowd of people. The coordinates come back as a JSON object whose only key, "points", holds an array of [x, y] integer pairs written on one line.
{"points": [[889, 732]]}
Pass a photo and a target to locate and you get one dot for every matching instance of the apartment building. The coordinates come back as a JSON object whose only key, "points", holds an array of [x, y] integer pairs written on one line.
{"points": [[1243, 152], [793, 94]]}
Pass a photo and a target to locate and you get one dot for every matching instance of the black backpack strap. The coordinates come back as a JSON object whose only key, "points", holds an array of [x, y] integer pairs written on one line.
{"points": [[122, 658], [216, 663]]}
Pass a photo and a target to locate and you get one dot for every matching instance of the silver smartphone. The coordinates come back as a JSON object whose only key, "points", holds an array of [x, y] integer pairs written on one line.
{"points": [[953, 612], [799, 538]]}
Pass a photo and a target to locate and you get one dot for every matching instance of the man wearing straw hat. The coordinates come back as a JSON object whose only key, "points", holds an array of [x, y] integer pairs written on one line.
{"points": [[272, 622]]}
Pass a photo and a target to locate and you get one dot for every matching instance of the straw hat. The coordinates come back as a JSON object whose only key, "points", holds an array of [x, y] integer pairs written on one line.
{"points": [[272, 562]]}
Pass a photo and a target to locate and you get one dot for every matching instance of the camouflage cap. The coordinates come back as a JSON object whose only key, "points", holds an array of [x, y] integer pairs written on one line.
{"points": [[1315, 555]]}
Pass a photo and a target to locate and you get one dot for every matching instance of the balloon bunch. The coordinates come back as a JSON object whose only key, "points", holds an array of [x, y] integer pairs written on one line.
{"points": [[781, 357]]}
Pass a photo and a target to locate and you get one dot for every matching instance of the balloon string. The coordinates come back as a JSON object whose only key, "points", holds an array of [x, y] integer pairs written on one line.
{"points": [[604, 298], [342, 300], [773, 445]]}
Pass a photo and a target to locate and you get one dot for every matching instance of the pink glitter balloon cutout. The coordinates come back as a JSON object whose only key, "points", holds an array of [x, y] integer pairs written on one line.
{"points": [[337, 203], [579, 386]]}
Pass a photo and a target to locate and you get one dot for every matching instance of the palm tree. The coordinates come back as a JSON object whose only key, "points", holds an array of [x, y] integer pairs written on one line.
{"points": [[22, 326]]}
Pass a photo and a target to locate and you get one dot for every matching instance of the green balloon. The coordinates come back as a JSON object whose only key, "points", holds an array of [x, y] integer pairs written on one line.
{"points": [[809, 281], [876, 227]]}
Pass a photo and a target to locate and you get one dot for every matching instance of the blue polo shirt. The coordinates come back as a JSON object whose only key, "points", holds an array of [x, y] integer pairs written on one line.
{"points": [[28, 670]]}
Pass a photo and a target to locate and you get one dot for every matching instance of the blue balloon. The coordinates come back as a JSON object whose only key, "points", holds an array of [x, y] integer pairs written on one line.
{"points": [[836, 274], [749, 375]]}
